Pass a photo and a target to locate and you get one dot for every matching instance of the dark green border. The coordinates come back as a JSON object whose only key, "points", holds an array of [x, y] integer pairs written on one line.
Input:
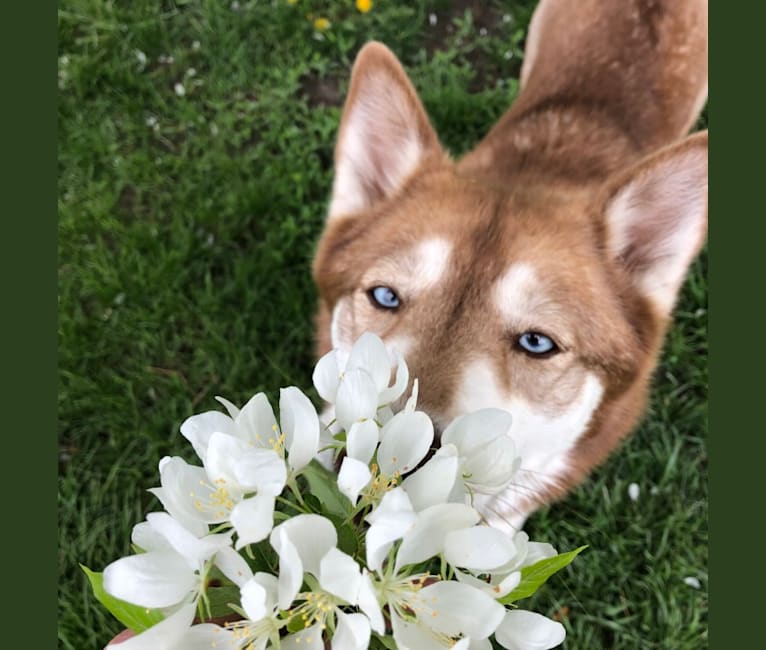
{"points": [[28, 272], [737, 260]]}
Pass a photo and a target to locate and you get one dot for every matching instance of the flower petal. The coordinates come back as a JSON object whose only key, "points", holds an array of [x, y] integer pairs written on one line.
{"points": [[185, 494], [262, 470], [326, 376], [167, 634], [460, 610], [426, 538], [231, 409], [390, 521], [369, 353], [352, 477], [433, 482], [207, 636], [499, 587], [253, 597], [395, 391], [224, 452], [412, 636], [537, 551], [259, 596], [154, 579], [311, 535], [490, 469], [368, 603], [233, 566], [412, 400], [148, 539], [340, 575], [357, 398], [479, 548], [405, 441], [194, 550], [362, 440], [523, 630], [198, 428], [290, 567], [470, 432], [300, 425], [352, 632], [253, 519], [256, 421]]}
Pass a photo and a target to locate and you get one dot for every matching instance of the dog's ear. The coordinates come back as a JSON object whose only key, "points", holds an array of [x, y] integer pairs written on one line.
{"points": [[656, 218], [384, 134]]}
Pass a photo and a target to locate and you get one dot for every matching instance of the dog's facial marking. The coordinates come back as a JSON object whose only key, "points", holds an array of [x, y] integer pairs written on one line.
{"points": [[413, 271], [516, 291], [409, 275], [431, 261], [524, 304], [543, 439]]}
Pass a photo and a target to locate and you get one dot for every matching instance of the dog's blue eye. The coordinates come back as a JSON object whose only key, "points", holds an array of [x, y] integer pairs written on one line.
{"points": [[536, 343], [384, 297]]}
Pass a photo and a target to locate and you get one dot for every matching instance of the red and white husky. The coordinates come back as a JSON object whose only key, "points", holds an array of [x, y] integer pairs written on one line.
{"points": [[538, 273]]}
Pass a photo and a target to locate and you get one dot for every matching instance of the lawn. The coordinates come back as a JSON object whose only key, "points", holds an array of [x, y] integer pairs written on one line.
{"points": [[195, 151]]}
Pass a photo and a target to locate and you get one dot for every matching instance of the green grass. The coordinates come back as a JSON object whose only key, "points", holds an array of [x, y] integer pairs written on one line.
{"points": [[184, 253]]}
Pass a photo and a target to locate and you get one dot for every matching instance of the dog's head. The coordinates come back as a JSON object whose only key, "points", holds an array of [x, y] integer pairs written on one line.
{"points": [[534, 294]]}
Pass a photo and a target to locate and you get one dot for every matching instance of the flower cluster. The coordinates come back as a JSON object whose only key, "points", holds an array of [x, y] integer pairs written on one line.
{"points": [[388, 552]]}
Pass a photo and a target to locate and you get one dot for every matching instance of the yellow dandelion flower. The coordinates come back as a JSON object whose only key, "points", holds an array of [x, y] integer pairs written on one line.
{"points": [[321, 24], [364, 5], [292, 2]]}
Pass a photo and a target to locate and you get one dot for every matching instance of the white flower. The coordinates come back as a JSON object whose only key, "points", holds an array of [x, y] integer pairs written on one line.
{"points": [[358, 385], [170, 571], [523, 630], [306, 544], [633, 491], [435, 482], [390, 521], [258, 597], [427, 536], [179, 89], [362, 440], [488, 458], [256, 425], [405, 441], [429, 617], [503, 578], [216, 494], [353, 476], [175, 633], [480, 549]]}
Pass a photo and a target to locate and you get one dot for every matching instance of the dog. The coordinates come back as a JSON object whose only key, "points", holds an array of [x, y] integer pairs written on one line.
{"points": [[538, 273]]}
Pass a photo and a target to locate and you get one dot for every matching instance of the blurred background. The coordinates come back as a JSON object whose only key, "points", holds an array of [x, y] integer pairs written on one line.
{"points": [[195, 161]]}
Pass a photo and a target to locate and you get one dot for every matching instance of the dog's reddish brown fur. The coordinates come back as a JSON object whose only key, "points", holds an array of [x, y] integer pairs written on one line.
{"points": [[609, 89]]}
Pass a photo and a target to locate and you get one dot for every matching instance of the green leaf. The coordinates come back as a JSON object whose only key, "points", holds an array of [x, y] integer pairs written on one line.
{"points": [[347, 537], [313, 503], [384, 641], [295, 624], [220, 597], [134, 617], [323, 485], [535, 575]]}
